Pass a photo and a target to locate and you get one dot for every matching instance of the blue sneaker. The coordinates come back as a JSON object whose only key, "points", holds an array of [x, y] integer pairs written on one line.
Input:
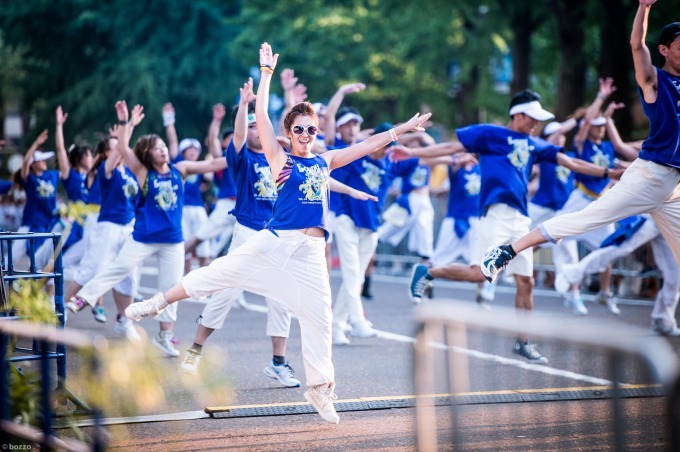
{"points": [[421, 279], [283, 373], [495, 260]]}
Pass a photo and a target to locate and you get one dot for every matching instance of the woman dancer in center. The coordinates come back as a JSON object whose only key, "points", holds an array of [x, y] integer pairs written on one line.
{"points": [[286, 260]]}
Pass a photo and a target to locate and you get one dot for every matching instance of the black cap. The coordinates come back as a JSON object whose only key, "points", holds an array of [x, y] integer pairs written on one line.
{"points": [[669, 33], [227, 132]]}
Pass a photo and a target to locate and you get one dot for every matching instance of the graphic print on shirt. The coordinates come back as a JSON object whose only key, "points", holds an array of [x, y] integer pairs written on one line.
{"points": [[192, 179], [521, 150], [419, 177], [473, 184], [314, 186], [166, 199], [372, 176], [45, 189], [264, 187], [562, 173], [130, 186], [599, 158]]}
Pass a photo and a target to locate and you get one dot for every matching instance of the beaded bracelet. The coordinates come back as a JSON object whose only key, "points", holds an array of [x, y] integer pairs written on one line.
{"points": [[393, 135]]}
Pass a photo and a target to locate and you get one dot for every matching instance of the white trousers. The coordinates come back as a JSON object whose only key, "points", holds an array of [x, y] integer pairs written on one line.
{"points": [[355, 249], [170, 264], [451, 247], [102, 244], [419, 226], [667, 299], [219, 223], [290, 267], [193, 217], [645, 187], [219, 304]]}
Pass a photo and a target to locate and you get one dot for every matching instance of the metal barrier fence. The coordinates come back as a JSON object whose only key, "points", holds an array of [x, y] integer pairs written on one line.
{"points": [[473, 396], [44, 336], [47, 343]]}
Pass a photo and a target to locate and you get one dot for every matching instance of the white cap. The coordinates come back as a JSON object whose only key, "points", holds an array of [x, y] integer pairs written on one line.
{"points": [[551, 128], [189, 143], [347, 117], [39, 156], [598, 121], [532, 109]]}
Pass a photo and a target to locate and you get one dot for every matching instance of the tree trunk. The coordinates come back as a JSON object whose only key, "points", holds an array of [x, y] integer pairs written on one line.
{"points": [[523, 26], [570, 15], [616, 59]]}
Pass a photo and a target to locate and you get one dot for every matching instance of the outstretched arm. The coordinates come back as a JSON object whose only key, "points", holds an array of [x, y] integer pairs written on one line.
{"points": [[241, 121], [276, 157], [626, 150], [26, 165], [342, 157], [587, 168], [645, 74], [62, 154], [339, 187], [214, 143], [123, 146], [170, 131], [606, 89], [187, 167], [334, 106], [400, 152]]}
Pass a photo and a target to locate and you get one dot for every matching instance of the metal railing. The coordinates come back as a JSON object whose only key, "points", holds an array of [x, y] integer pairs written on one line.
{"points": [[453, 355]]}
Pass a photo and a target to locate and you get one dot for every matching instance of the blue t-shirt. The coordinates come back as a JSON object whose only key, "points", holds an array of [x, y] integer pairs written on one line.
{"points": [[227, 187], [75, 185], [41, 198], [601, 155], [302, 200], [418, 177], [120, 194], [337, 198], [555, 184], [192, 186], [158, 218], [370, 176], [94, 192], [505, 158], [465, 185], [5, 186], [662, 146], [255, 185]]}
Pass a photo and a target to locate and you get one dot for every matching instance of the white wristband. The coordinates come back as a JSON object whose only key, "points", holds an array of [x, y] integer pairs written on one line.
{"points": [[168, 118], [393, 135]]}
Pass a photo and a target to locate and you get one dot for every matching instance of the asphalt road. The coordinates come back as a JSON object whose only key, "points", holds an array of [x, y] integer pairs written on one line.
{"points": [[381, 369]]}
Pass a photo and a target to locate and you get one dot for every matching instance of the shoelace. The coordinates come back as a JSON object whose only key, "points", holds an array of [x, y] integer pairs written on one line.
{"points": [[289, 370], [191, 358], [421, 285], [328, 397]]}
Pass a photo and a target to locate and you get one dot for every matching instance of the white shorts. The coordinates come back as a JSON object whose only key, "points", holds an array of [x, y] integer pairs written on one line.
{"points": [[219, 220], [193, 217], [503, 225], [539, 214], [450, 247]]}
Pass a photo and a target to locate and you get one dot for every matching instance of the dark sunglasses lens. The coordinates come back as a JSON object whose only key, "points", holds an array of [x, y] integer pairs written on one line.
{"points": [[298, 130], [312, 130]]}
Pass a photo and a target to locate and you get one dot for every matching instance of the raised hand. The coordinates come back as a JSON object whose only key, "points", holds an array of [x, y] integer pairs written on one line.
{"points": [[137, 115], [114, 131], [612, 107], [300, 93], [168, 115], [352, 88], [61, 116], [41, 138], [416, 124], [606, 87], [122, 111], [398, 153], [219, 112], [246, 92], [267, 56], [288, 79]]}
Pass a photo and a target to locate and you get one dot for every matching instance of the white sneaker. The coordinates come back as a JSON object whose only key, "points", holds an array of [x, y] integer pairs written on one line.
{"points": [[561, 284], [321, 397], [363, 329], [125, 328], [575, 303], [191, 361], [283, 373], [609, 300], [163, 341], [339, 337], [147, 308], [665, 328]]}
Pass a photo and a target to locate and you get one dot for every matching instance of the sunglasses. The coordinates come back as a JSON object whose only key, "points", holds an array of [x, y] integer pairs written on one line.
{"points": [[299, 130]]}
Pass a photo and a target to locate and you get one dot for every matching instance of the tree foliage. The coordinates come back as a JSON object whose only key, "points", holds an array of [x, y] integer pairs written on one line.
{"points": [[437, 55]]}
